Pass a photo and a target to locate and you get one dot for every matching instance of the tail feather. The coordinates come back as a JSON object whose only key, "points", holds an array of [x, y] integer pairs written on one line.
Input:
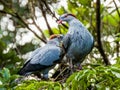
{"points": [[22, 72], [29, 68], [25, 69]]}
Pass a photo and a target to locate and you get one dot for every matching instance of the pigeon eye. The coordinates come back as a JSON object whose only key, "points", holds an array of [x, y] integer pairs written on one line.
{"points": [[59, 37], [66, 16]]}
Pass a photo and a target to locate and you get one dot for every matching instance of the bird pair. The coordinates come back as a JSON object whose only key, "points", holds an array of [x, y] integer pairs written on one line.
{"points": [[77, 43]]}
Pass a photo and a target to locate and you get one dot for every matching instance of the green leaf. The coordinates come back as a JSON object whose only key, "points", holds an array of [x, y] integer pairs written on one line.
{"points": [[85, 2], [5, 74], [61, 10]]}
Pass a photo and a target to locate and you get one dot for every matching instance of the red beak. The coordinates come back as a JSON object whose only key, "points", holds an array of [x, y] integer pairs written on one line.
{"points": [[59, 21]]}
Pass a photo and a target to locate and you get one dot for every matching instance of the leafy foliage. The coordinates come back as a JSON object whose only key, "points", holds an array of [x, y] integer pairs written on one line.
{"points": [[117, 39], [8, 59], [99, 78], [92, 77], [36, 85], [6, 79]]}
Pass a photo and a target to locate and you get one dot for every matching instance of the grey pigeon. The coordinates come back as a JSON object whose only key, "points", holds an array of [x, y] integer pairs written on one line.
{"points": [[45, 57], [78, 42]]}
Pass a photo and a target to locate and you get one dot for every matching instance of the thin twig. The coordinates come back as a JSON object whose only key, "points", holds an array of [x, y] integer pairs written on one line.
{"points": [[60, 73], [44, 15], [43, 35], [18, 16], [53, 14], [116, 8]]}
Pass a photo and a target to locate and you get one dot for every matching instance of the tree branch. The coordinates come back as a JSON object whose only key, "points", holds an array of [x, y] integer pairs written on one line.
{"points": [[53, 14], [17, 16], [32, 9], [98, 28], [44, 15], [39, 28], [116, 8]]}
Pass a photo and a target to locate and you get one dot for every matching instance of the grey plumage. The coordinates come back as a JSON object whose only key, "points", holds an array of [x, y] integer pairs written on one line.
{"points": [[44, 57], [78, 41]]}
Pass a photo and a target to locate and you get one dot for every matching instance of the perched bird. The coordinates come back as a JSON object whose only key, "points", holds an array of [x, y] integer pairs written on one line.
{"points": [[45, 57], [78, 42]]}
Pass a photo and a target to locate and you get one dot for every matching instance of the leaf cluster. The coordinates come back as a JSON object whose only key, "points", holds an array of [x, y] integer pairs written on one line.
{"points": [[92, 77]]}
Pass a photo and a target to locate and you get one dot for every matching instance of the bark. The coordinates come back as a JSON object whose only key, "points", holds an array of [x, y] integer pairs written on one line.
{"points": [[98, 29]]}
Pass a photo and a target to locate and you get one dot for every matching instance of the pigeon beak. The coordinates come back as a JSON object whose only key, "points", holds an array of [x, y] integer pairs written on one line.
{"points": [[59, 21]]}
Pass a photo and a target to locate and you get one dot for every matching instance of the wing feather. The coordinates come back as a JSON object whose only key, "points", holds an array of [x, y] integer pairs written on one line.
{"points": [[66, 41], [47, 56]]}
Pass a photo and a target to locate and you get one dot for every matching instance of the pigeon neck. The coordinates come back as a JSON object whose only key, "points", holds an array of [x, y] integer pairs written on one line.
{"points": [[53, 41], [75, 22]]}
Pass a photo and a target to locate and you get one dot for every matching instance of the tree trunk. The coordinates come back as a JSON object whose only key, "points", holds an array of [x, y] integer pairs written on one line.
{"points": [[98, 28]]}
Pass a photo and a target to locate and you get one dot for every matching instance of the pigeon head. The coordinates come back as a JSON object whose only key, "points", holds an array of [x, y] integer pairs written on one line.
{"points": [[53, 36], [66, 17], [56, 38]]}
